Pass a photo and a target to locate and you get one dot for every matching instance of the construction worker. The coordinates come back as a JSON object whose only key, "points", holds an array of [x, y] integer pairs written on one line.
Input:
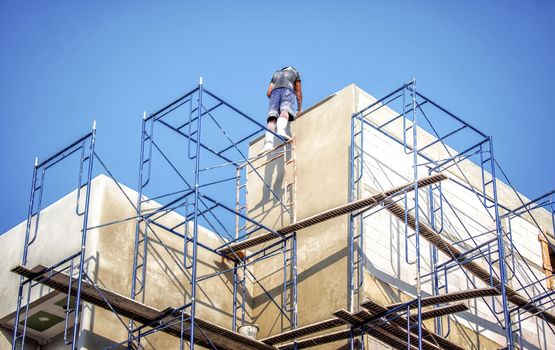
{"points": [[281, 108]]}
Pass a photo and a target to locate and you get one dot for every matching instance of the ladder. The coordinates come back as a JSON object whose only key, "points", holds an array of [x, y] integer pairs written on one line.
{"points": [[356, 222], [289, 247], [289, 300]]}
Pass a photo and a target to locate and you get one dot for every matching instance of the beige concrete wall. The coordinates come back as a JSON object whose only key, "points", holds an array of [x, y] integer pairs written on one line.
{"points": [[322, 150], [167, 282], [45, 250], [109, 261], [323, 138]]}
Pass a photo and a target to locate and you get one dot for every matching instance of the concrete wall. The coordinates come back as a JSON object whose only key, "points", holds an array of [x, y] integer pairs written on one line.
{"points": [[322, 149], [109, 262]]}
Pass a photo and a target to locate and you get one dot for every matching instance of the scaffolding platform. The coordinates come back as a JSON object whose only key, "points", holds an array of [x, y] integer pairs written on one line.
{"points": [[452, 252], [383, 323], [221, 337], [304, 331], [365, 203], [444, 311], [449, 298]]}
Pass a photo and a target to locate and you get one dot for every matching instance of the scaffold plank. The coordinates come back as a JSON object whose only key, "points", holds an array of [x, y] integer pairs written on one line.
{"points": [[304, 331], [221, 337], [376, 312], [319, 340], [401, 321], [451, 297], [330, 214], [392, 328], [348, 317], [444, 311], [376, 333], [392, 331], [448, 249]]}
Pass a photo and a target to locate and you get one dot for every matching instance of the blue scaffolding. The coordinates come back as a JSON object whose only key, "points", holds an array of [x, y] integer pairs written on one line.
{"points": [[412, 115], [212, 139]]}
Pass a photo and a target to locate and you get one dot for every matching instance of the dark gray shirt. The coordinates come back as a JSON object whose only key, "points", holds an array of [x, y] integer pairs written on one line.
{"points": [[285, 78]]}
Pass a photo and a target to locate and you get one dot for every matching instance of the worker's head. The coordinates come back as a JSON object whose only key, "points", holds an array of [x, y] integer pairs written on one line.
{"points": [[288, 67]]}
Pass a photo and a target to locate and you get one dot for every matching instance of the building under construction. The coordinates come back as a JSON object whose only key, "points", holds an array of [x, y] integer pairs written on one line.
{"points": [[383, 224]]}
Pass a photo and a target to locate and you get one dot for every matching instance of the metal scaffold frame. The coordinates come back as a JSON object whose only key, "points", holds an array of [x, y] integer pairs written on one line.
{"points": [[206, 206], [406, 127], [184, 117], [209, 142], [75, 263]]}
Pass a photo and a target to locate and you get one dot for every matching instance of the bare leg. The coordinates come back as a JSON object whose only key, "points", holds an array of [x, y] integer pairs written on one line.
{"points": [[272, 125]]}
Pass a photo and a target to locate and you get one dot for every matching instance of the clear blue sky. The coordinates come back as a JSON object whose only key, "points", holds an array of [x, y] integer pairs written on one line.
{"points": [[65, 63]]}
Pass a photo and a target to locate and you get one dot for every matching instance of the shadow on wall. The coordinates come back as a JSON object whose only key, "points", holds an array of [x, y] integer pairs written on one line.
{"points": [[264, 299], [274, 196]]}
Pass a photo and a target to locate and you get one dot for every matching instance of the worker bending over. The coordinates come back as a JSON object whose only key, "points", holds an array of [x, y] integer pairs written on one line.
{"points": [[285, 84]]}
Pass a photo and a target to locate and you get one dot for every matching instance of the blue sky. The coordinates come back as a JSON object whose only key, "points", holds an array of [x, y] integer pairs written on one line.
{"points": [[66, 63]]}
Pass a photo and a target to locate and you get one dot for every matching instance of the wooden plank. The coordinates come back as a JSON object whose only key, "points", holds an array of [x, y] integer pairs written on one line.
{"points": [[444, 311], [394, 335], [348, 317], [376, 333], [361, 319], [221, 337], [365, 203], [304, 331], [452, 252], [319, 340], [450, 297], [378, 310]]}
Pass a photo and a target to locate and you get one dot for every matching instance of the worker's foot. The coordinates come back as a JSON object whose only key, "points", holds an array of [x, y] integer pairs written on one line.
{"points": [[268, 146], [281, 126], [283, 134]]}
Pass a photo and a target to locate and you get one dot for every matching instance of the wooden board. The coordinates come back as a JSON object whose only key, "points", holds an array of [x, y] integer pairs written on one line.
{"points": [[365, 203], [221, 337], [452, 252]]}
